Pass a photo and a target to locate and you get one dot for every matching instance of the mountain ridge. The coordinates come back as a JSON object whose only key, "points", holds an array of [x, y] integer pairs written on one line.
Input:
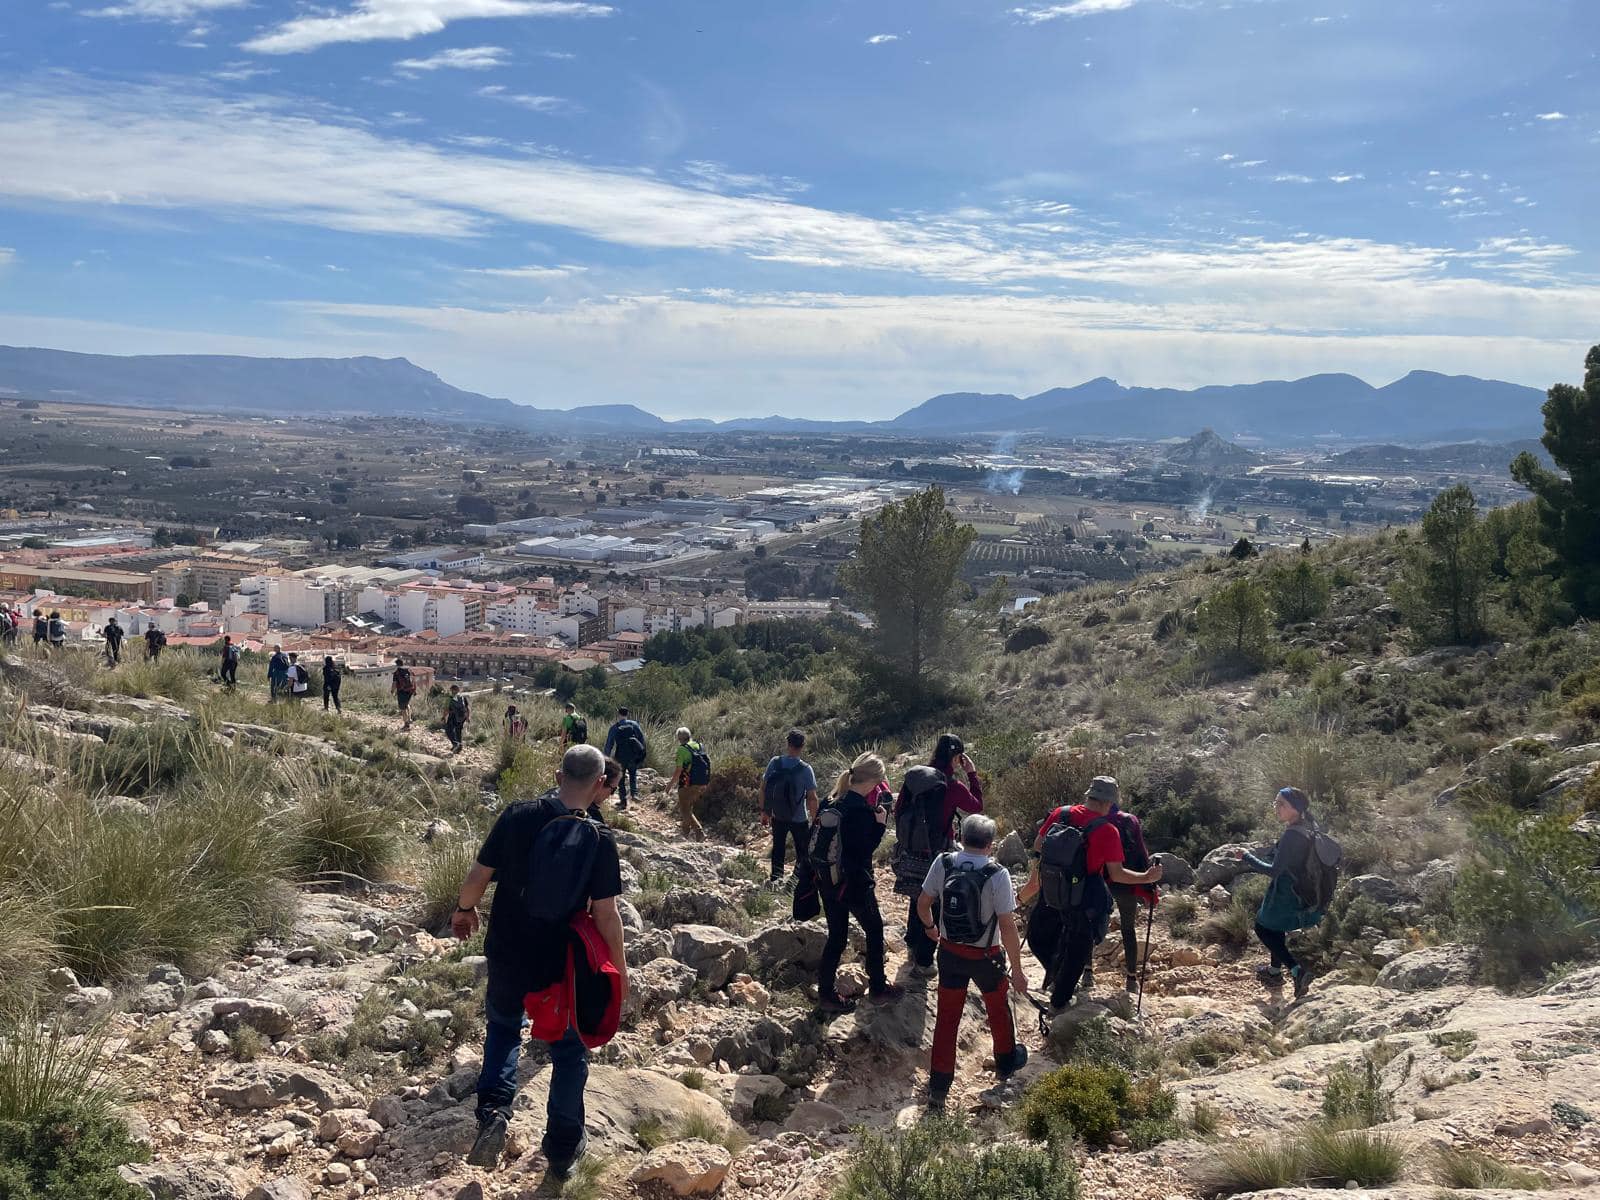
{"points": [[1417, 406]]}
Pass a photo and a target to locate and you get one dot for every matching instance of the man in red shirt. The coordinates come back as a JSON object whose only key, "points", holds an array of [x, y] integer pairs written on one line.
{"points": [[1084, 925]]}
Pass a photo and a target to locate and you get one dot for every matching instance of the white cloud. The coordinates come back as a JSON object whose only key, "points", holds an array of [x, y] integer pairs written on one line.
{"points": [[1077, 8], [542, 104], [240, 72], [1553, 116], [562, 272], [402, 20], [468, 58], [7, 256], [879, 39], [164, 10]]}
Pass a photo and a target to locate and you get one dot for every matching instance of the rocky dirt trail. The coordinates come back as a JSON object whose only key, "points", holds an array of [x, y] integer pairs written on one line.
{"points": [[308, 1067]]}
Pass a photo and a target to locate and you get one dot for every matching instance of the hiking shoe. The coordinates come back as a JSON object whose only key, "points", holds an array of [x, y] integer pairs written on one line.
{"points": [[1302, 982], [1015, 1061], [886, 993], [1131, 984], [1272, 977], [622, 805], [835, 1004], [491, 1141], [918, 971], [1088, 980], [936, 1101], [561, 1169]]}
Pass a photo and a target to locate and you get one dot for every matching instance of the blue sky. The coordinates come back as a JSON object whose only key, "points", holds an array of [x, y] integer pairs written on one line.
{"points": [[814, 207]]}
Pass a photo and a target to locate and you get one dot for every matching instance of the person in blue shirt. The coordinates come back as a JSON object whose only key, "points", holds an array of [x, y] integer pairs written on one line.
{"points": [[789, 802], [625, 741]]}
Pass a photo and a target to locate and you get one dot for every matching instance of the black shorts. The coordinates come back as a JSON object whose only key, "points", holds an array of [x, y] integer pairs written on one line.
{"points": [[403, 699]]}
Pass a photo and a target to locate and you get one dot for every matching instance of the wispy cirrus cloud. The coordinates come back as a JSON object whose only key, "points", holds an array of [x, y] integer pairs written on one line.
{"points": [[466, 58], [540, 104], [402, 20], [1552, 116], [164, 10], [878, 39], [1038, 15], [565, 271]]}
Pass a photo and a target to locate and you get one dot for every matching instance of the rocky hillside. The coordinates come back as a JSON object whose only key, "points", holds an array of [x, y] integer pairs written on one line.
{"points": [[235, 907]]}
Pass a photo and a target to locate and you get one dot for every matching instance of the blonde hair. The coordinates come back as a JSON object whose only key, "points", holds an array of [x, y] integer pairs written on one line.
{"points": [[868, 768]]}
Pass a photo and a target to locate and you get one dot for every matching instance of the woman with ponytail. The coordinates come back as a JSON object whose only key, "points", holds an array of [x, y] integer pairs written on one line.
{"points": [[843, 843]]}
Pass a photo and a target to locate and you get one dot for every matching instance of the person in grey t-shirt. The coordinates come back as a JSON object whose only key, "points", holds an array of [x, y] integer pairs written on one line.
{"points": [[789, 802]]}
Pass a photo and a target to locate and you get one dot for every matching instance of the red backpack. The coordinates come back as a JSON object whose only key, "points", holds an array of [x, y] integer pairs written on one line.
{"points": [[587, 997]]}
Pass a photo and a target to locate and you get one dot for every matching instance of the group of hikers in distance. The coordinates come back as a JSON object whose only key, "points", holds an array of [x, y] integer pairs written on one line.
{"points": [[555, 942]]}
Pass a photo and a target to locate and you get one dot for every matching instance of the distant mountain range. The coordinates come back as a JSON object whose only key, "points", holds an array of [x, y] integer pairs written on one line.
{"points": [[1422, 406]]}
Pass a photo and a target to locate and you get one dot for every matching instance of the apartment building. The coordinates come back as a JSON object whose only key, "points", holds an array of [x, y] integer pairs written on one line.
{"points": [[209, 577]]}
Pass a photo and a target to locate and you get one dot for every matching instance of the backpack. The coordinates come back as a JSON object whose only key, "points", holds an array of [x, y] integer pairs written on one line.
{"points": [[630, 744], [230, 654], [460, 709], [559, 865], [403, 683], [825, 846], [161, 637], [699, 765], [580, 731], [1319, 877], [1133, 857], [918, 838], [1063, 863], [961, 902], [587, 997], [783, 792]]}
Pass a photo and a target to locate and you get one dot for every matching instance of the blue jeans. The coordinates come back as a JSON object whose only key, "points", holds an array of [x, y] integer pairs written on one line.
{"points": [[497, 1082]]}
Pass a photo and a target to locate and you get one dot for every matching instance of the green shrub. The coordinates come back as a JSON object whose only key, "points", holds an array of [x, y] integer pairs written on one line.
{"points": [[1026, 637], [1022, 797], [1092, 1102], [1256, 1166], [731, 803], [1471, 1170], [439, 884], [1354, 1096], [1338, 1156], [65, 1154], [1233, 623], [339, 832], [146, 757], [1531, 895], [941, 1160], [1299, 592]]}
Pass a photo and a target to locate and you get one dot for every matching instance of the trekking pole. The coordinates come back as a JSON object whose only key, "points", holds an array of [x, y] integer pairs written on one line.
{"points": [[1144, 967]]}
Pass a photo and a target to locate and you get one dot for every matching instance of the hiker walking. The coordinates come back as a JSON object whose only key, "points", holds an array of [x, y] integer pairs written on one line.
{"points": [[514, 725], [113, 634], [277, 674], [456, 711], [574, 729], [404, 686], [543, 880], [230, 663], [843, 839], [925, 815], [299, 679], [155, 639], [789, 802], [8, 625], [626, 741], [976, 933], [694, 772], [1128, 898], [41, 630], [1078, 850], [57, 631], [1301, 883], [332, 681]]}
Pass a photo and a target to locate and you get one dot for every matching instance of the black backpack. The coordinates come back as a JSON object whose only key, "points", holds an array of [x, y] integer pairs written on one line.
{"points": [[1317, 880], [825, 850], [1132, 857], [580, 731], [630, 745], [699, 765], [402, 681], [1064, 863], [961, 902], [917, 833], [559, 865]]}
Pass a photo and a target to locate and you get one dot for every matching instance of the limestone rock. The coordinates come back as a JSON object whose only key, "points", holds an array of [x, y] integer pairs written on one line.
{"points": [[1013, 851], [267, 1084], [1221, 865], [1378, 888], [714, 953], [815, 1116], [263, 1016], [657, 983], [181, 1181], [1435, 967], [1569, 780], [156, 998], [285, 1187], [1175, 872], [793, 945], [691, 1168]]}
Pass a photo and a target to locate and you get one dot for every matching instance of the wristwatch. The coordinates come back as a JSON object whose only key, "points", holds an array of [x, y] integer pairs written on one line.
{"points": [[471, 909]]}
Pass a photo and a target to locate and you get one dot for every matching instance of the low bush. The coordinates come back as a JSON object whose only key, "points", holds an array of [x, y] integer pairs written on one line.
{"points": [[339, 832], [1354, 1096], [439, 882], [1321, 1156], [1472, 1170], [942, 1160], [1022, 797], [1093, 1102], [731, 803], [67, 1155], [1256, 1166], [1026, 637]]}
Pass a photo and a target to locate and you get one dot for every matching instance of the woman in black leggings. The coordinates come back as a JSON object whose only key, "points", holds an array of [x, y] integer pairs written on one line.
{"points": [[1281, 910]]}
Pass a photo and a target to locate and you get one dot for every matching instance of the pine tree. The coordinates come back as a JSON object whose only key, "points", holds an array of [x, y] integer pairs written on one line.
{"points": [[1445, 591], [906, 574], [1233, 623], [1569, 509]]}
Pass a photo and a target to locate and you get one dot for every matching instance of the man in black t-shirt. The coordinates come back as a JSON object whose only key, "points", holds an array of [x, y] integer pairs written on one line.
{"points": [[525, 956]]}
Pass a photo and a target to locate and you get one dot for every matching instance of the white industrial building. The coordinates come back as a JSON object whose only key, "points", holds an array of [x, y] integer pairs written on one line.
{"points": [[590, 547]]}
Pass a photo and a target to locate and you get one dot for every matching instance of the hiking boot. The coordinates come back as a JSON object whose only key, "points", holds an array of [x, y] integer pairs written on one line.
{"points": [[1014, 1062], [1302, 982], [622, 805], [1272, 977], [936, 1101], [885, 993], [835, 1004], [1131, 984], [918, 971], [1088, 980], [491, 1141], [561, 1169]]}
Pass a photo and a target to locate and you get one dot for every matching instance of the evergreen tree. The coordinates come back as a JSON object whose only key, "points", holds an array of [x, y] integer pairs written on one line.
{"points": [[905, 575], [1445, 589], [1233, 623], [1569, 509], [1299, 592]]}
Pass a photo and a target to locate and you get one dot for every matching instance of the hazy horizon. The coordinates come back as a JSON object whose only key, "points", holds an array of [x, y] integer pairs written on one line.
{"points": [[824, 211]]}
